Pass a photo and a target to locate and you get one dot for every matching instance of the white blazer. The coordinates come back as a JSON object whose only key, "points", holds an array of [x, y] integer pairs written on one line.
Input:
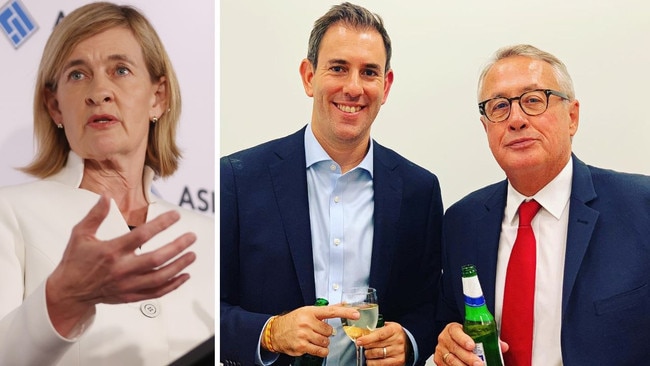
{"points": [[36, 220]]}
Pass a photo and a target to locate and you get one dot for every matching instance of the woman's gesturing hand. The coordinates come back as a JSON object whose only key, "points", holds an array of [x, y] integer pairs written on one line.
{"points": [[94, 271]]}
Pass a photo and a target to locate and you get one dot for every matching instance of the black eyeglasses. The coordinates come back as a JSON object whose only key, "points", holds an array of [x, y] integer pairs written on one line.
{"points": [[533, 103]]}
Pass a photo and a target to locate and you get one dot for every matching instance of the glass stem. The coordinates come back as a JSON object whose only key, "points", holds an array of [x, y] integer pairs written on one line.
{"points": [[359, 361]]}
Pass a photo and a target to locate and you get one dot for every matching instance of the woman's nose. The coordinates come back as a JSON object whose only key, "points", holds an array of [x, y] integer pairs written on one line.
{"points": [[99, 92]]}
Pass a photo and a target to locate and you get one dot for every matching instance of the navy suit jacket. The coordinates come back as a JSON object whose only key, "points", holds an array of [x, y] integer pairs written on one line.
{"points": [[266, 247], [606, 289]]}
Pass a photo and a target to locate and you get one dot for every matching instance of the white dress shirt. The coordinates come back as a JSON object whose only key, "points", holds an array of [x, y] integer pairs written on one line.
{"points": [[550, 228]]}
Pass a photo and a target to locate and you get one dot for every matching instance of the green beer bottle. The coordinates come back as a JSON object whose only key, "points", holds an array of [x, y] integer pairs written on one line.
{"points": [[307, 359], [479, 322]]}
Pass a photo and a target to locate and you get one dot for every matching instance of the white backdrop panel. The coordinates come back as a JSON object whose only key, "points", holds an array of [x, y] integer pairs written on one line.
{"points": [[187, 30]]}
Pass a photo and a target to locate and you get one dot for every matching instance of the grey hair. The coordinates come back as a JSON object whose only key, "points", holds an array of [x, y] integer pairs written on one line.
{"points": [[559, 69]]}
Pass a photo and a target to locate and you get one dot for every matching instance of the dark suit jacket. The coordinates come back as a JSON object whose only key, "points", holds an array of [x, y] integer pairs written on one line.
{"points": [[266, 248], [606, 289]]}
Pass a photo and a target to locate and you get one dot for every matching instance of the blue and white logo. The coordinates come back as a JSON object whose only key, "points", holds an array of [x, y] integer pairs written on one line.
{"points": [[16, 22]]}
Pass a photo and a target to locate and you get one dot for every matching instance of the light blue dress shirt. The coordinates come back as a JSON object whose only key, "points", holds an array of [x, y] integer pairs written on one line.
{"points": [[341, 208]]}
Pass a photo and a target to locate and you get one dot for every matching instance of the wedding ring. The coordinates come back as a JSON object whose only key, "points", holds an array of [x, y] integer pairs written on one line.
{"points": [[384, 352], [444, 358]]}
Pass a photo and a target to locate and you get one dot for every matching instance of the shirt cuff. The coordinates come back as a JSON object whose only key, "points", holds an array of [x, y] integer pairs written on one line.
{"points": [[264, 357], [414, 348]]}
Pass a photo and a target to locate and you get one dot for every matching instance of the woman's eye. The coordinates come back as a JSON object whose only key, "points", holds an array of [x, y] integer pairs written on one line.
{"points": [[123, 71], [76, 75]]}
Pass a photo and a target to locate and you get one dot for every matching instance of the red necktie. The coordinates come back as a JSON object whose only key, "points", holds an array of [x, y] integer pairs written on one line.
{"points": [[519, 295]]}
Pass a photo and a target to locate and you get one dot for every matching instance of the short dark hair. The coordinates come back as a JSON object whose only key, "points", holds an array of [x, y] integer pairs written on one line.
{"points": [[352, 15]]}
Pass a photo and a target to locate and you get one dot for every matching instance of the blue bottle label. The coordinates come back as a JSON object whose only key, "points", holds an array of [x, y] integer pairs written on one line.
{"points": [[474, 301]]}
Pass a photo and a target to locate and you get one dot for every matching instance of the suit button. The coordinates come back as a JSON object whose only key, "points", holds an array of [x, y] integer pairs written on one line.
{"points": [[150, 309]]}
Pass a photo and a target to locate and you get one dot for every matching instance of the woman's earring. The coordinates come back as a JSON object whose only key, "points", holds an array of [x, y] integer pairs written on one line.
{"points": [[154, 119], [60, 126]]}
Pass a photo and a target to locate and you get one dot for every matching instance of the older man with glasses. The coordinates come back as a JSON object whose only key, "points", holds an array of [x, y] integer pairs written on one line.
{"points": [[576, 291]]}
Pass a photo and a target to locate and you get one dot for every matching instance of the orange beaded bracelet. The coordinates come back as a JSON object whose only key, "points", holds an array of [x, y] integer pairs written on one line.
{"points": [[267, 335]]}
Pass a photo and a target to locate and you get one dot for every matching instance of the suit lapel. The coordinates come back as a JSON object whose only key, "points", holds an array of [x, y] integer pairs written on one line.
{"points": [[582, 221], [485, 234], [290, 186], [387, 185]]}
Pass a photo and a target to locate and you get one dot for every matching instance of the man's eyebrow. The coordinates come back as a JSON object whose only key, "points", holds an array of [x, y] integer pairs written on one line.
{"points": [[337, 61], [373, 66]]}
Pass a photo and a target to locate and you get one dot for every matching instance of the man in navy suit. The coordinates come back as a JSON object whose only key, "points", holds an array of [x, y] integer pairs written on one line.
{"points": [[328, 208], [592, 273]]}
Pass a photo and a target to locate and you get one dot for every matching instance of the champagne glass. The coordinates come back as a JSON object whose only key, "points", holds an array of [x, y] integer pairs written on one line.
{"points": [[364, 299]]}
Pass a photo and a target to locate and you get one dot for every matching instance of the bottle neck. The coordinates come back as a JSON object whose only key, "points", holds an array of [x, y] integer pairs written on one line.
{"points": [[472, 287], [475, 307], [479, 314]]}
